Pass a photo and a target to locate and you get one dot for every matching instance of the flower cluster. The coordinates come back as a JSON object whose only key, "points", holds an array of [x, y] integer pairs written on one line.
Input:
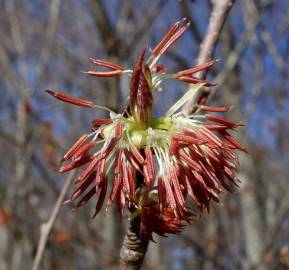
{"points": [[177, 157]]}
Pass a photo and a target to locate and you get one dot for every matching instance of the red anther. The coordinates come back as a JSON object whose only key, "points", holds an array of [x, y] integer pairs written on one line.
{"points": [[106, 151], [222, 121], [234, 142], [71, 99], [149, 162], [132, 161], [101, 196], [170, 37], [170, 194], [125, 180], [118, 130], [75, 147], [193, 80], [89, 169], [167, 37], [212, 138], [138, 156], [215, 127], [82, 150], [147, 178], [96, 123], [117, 162], [131, 183], [83, 186], [100, 172], [186, 139], [197, 68], [75, 164], [175, 37], [107, 64], [115, 188], [113, 73], [86, 197], [214, 109], [189, 161], [162, 194], [177, 188], [174, 147]]}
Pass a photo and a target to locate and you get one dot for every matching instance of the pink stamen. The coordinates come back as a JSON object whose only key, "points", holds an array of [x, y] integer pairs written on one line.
{"points": [[189, 161], [220, 120], [101, 196], [75, 164], [149, 162], [71, 99], [107, 64], [89, 169], [132, 161], [113, 73], [214, 109], [82, 151], [75, 147], [86, 198], [186, 139], [83, 187], [118, 130], [189, 79], [96, 123], [138, 156], [131, 183], [167, 37], [125, 179], [197, 68]]}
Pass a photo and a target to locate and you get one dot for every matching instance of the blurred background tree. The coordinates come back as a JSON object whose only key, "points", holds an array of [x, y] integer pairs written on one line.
{"points": [[45, 44]]}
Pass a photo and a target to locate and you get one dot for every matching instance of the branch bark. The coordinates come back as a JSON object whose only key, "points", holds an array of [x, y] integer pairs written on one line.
{"points": [[134, 247], [135, 243], [221, 9]]}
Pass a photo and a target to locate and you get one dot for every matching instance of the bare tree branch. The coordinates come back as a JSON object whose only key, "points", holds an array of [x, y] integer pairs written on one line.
{"points": [[221, 9], [46, 227]]}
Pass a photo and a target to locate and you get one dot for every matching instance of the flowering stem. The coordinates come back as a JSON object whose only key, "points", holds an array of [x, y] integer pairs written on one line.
{"points": [[135, 243], [134, 247]]}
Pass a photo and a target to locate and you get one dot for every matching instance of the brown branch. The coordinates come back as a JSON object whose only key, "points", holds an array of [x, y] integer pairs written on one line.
{"points": [[135, 243], [46, 227], [244, 41], [221, 9], [134, 247]]}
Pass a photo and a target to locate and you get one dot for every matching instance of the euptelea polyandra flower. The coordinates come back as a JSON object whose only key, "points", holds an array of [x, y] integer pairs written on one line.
{"points": [[180, 157]]}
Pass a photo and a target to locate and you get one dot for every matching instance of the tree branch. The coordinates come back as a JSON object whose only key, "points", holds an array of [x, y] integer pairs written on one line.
{"points": [[134, 246], [135, 243], [221, 9], [46, 227]]}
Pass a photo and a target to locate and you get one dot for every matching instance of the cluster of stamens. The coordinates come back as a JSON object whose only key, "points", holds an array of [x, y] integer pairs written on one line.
{"points": [[177, 156]]}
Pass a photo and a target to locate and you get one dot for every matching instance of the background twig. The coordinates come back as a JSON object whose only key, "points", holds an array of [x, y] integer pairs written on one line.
{"points": [[221, 9], [46, 227]]}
